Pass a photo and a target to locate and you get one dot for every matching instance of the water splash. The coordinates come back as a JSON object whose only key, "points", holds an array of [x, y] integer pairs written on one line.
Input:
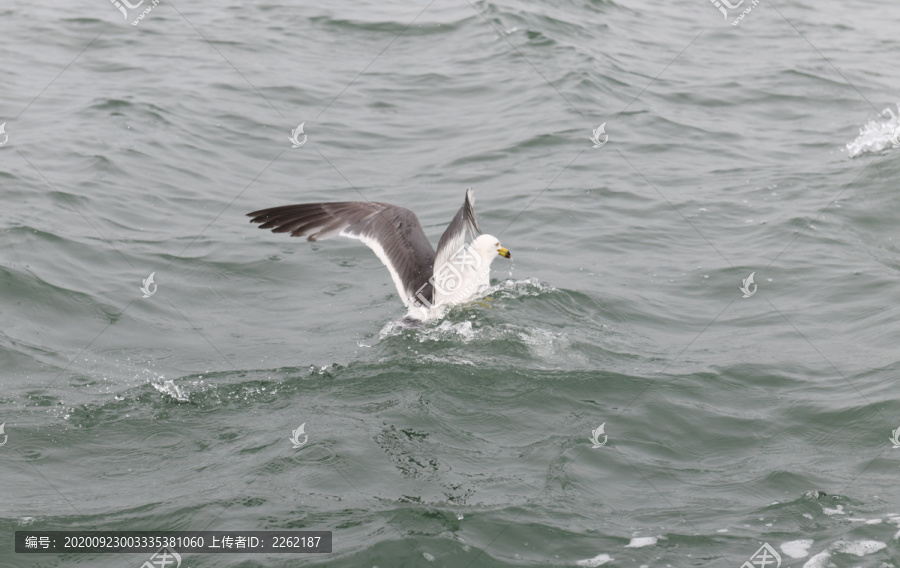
{"points": [[463, 331], [876, 135], [520, 288], [169, 388]]}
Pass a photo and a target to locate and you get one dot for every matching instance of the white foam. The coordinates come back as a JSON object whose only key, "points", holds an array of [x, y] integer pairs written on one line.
{"points": [[832, 512], [598, 560], [858, 547], [520, 288], [875, 135], [797, 548], [445, 331], [542, 343], [819, 560], [169, 388], [640, 541]]}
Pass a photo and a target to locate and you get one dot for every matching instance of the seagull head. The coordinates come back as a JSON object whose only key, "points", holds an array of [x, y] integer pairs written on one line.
{"points": [[486, 245]]}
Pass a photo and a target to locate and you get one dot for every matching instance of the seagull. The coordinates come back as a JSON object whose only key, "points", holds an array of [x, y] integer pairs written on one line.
{"points": [[428, 282]]}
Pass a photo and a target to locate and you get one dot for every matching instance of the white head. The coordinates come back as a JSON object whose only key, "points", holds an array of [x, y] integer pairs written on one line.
{"points": [[488, 246]]}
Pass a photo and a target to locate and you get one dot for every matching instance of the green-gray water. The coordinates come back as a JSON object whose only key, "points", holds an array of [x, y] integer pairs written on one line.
{"points": [[732, 149]]}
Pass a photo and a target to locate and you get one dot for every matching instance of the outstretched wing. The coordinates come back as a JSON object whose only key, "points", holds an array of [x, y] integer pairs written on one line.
{"points": [[462, 226], [393, 233]]}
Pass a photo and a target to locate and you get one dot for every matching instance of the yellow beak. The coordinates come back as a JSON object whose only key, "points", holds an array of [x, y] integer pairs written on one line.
{"points": [[503, 252]]}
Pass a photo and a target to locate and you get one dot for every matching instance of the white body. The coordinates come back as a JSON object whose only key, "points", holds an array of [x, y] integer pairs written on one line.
{"points": [[464, 276]]}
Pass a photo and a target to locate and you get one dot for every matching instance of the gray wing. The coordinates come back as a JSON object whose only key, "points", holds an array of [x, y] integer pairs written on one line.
{"points": [[462, 226], [393, 233]]}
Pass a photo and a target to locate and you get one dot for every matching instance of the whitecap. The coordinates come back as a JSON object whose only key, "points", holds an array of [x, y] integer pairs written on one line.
{"points": [[875, 135], [820, 560], [638, 542], [520, 288], [169, 388], [797, 548], [858, 547], [598, 560]]}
